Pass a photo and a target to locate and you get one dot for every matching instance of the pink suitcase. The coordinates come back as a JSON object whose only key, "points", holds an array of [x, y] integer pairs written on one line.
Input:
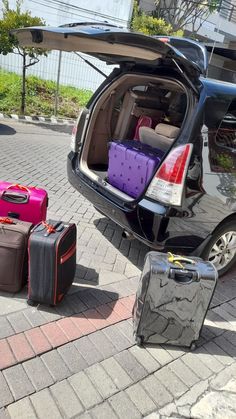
{"points": [[26, 203]]}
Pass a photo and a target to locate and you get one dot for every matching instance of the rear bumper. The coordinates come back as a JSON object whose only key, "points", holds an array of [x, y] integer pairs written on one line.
{"points": [[147, 221]]}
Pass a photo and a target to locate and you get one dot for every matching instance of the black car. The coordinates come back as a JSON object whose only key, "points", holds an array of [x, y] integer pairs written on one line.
{"points": [[189, 204]]}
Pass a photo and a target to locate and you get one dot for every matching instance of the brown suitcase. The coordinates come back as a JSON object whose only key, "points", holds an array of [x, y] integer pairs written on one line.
{"points": [[14, 236]]}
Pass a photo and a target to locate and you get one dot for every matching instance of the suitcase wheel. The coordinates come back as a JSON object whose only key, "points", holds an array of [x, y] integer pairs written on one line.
{"points": [[32, 303], [139, 340], [193, 346]]}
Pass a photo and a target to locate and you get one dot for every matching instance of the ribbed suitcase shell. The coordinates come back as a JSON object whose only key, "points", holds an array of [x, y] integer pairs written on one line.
{"points": [[23, 202], [131, 166], [52, 262], [167, 309], [13, 254]]}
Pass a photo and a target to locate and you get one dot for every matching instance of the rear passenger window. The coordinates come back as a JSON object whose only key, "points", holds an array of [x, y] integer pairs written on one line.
{"points": [[226, 135], [223, 143]]}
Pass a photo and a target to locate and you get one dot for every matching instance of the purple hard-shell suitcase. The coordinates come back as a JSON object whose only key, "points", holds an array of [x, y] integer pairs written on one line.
{"points": [[131, 166]]}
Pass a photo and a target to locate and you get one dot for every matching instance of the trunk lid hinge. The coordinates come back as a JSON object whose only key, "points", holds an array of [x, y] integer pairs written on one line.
{"points": [[91, 65], [186, 77]]}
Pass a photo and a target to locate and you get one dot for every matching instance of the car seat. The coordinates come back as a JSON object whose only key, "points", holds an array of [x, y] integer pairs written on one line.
{"points": [[161, 137]]}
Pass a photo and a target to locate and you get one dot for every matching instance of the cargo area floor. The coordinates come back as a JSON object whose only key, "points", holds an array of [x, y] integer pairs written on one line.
{"points": [[100, 170]]}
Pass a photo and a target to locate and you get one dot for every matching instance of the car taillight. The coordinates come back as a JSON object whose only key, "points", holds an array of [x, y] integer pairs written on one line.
{"points": [[73, 137], [168, 183], [78, 130]]}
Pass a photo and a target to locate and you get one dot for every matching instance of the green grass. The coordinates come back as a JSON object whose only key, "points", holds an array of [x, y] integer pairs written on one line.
{"points": [[40, 96]]}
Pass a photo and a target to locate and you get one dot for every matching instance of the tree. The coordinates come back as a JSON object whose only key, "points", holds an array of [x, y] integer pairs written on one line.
{"points": [[150, 25], [179, 13], [13, 19]]}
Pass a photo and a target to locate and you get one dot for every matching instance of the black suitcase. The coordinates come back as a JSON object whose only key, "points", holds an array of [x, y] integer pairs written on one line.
{"points": [[172, 299], [52, 261]]}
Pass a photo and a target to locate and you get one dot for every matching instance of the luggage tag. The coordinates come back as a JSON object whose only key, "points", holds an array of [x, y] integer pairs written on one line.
{"points": [[52, 228], [5, 221], [176, 259]]}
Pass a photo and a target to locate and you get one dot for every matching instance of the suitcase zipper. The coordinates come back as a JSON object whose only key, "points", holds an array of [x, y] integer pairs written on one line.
{"points": [[68, 254]]}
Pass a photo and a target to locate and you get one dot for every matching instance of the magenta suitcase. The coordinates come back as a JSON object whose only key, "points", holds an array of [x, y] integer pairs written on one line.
{"points": [[131, 166], [23, 202]]}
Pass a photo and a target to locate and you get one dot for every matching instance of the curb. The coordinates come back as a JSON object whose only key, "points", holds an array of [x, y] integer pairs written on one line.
{"points": [[41, 119]]}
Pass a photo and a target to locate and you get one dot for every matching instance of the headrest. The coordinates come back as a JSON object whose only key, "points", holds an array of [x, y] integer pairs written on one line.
{"points": [[150, 137], [167, 130]]}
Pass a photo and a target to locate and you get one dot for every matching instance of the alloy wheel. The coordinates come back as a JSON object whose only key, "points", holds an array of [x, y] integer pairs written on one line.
{"points": [[223, 250]]}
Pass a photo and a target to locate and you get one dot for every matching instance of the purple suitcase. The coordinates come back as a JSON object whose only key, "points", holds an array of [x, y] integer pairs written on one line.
{"points": [[131, 166]]}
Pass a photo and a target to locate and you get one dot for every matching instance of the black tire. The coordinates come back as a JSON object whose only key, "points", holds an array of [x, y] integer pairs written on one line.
{"points": [[228, 227]]}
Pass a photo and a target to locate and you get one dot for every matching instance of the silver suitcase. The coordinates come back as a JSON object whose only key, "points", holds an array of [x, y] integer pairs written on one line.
{"points": [[172, 299]]}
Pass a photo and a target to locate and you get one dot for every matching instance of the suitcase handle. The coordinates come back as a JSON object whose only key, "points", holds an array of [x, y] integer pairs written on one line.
{"points": [[183, 276], [15, 198]]}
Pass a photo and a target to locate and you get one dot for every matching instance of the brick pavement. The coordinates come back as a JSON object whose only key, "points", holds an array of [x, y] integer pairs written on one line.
{"points": [[79, 360]]}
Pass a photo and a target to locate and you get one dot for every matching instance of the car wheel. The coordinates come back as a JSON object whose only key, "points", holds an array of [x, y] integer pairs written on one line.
{"points": [[221, 249]]}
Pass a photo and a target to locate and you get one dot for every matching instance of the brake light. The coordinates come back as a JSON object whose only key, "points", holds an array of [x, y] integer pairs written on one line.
{"points": [[73, 137], [168, 183], [165, 40], [74, 130]]}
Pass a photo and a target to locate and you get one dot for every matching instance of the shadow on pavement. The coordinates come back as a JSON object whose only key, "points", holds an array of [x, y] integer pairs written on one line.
{"points": [[86, 276], [229, 275], [133, 249], [66, 129], [130, 248], [6, 130], [74, 303], [79, 302]]}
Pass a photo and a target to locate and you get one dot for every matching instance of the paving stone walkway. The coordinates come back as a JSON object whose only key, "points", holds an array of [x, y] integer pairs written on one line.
{"points": [[79, 359]]}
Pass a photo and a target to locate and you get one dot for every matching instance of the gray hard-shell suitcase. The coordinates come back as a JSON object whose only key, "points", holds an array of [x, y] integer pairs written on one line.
{"points": [[14, 236], [172, 299], [52, 261]]}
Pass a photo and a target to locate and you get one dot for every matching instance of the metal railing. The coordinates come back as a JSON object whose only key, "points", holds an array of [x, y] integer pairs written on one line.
{"points": [[227, 10]]}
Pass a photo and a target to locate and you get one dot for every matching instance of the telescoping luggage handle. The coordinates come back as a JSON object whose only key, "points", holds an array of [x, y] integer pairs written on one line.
{"points": [[16, 197], [180, 274]]}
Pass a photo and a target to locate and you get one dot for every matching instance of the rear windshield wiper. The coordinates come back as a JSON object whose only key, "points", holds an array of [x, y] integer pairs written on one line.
{"points": [[91, 65]]}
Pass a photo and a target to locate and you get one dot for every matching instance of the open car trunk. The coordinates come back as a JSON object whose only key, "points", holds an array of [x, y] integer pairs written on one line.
{"points": [[137, 111], [118, 113]]}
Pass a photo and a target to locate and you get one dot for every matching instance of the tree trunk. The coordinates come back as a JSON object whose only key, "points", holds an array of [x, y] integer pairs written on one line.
{"points": [[23, 90]]}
